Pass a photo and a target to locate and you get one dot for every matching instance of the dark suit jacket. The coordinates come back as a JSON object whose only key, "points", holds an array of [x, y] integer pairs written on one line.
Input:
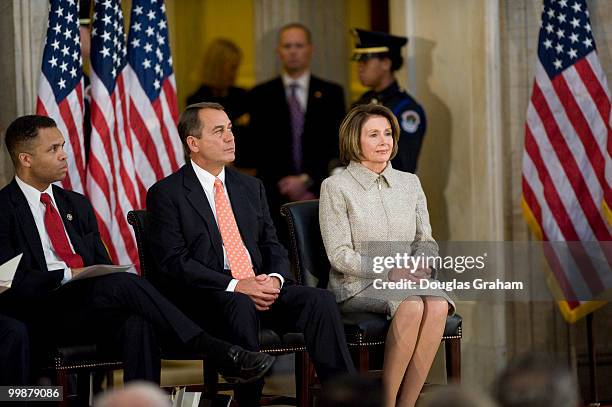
{"points": [[270, 126], [186, 241], [18, 234]]}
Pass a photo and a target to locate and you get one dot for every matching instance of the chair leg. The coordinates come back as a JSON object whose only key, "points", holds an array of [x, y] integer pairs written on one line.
{"points": [[211, 380], [453, 360], [304, 379], [61, 378], [110, 379], [363, 359]]}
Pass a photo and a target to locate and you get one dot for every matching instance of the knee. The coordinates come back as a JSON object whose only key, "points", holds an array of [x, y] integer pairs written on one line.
{"points": [[322, 298], [410, 310], [14, 334], [241, 304], [119, 280], [435, 307], [17, 331]]}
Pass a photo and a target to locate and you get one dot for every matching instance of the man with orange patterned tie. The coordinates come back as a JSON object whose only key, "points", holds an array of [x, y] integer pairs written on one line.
{"points": [[218, 256]]}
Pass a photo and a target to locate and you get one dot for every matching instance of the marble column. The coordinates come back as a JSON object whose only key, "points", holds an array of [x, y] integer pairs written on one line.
{"points": [[453, 69], [23, 26]]}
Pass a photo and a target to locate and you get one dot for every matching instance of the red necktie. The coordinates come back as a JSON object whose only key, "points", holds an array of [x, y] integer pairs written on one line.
{"points": [[55, 230], [237, 256]]}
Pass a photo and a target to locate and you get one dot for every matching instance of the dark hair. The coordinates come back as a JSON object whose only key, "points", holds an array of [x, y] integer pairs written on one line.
{"points": [[396, 59], [350, 130], [295, 25], [189, 123], [23, 130]]}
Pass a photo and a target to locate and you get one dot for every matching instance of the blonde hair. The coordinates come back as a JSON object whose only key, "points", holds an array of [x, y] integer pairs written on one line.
{"points": [[219, 51], [350, 131]]}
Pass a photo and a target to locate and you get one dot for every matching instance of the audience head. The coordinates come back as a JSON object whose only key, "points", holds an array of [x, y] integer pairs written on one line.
{"points": [[221, 61], [294, 48], [536, 380], [378, 54], [458, 397], [351, 391], [368, 133], [36, 147], [206, 133], [135, 394]]}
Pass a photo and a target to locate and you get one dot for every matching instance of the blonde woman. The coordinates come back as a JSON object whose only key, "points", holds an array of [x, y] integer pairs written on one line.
{"points": [[372, 202], [218, 74]]}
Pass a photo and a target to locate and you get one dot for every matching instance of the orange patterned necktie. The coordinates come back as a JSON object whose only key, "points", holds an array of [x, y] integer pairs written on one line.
{"points": [[237, 255]]}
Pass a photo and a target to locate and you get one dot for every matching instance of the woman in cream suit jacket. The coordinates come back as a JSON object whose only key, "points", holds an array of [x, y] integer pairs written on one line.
{"points": [[365, 211]]}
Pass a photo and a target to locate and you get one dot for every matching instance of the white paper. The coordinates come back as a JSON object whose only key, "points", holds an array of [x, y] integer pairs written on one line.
{"points": [[102, 270], [7, 272]]}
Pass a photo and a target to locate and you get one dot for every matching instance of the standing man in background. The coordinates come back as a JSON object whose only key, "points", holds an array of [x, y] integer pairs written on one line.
{"points": [[295, 119], [379, 56]]}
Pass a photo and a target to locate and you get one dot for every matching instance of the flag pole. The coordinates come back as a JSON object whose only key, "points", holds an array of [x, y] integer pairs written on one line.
{"points": [[592, 361]]}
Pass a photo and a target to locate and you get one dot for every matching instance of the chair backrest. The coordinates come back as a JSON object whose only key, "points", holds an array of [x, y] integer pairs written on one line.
{"points": [[138, 220], [308, 256]]}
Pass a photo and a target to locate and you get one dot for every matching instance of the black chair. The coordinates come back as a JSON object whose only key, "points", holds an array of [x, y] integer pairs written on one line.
{"points": [[270, 341], [363, 329], [82, 360]]}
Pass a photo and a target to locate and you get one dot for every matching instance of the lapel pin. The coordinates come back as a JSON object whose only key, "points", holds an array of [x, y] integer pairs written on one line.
{"points": [[69, 216], [318, 94]]}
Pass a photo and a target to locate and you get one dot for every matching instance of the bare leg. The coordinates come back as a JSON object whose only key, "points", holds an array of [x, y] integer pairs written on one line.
{"points": [[399, 346], [435, 311]]}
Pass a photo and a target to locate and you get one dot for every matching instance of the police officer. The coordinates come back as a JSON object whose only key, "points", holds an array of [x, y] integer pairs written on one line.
{"points": [[379, 56]]}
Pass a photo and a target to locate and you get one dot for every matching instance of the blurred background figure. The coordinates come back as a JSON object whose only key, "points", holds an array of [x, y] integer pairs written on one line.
{"points": [[352, 391], [218, 73], [536, 380], [456, 396], [379, 56], [135, 394]]}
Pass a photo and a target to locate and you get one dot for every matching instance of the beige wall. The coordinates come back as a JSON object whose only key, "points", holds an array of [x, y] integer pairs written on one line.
{"points": [[194, 23]]}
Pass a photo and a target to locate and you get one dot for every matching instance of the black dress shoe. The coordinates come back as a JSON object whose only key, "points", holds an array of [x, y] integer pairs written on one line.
{"points": [[245, 366]]}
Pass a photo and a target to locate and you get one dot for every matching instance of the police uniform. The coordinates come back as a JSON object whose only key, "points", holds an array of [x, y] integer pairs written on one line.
{"points": [[410, 114]]}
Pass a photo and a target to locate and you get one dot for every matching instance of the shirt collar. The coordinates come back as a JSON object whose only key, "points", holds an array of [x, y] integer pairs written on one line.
{"points": [[206, 178], [32, 194], [388, 91], [368, 178], [303, 80]]}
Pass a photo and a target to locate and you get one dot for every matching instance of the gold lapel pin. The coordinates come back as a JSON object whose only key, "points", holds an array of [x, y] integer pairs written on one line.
{"points": [[318, 94]]}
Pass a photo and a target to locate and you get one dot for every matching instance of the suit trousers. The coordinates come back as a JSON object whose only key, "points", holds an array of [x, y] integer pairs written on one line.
{"points": [[311, 311], [124, 314], [14, 352]]}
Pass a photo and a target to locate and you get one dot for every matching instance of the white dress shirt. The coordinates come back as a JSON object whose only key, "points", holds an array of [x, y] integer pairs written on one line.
{"points": [[54, 262], [207, 180], [303, 82]]}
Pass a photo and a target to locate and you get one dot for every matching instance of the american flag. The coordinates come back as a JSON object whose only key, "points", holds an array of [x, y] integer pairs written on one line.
{"points": [[60, 89], [567, 149], [134, 141], [153, 107]]}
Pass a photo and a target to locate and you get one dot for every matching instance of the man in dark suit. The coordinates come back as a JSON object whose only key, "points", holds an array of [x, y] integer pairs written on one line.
{"points": [[219, 257], [295, 120], [57, 233]]}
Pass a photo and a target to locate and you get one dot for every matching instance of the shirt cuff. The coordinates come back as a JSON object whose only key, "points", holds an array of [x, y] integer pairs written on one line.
{"points": [[67, 275], [282, 280], [232, 285]]}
